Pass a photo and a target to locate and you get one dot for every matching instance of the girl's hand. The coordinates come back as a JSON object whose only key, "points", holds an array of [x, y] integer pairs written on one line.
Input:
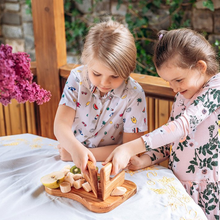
{"points": [[80, 157], [119, 158], [64, 155], [137, 163]]}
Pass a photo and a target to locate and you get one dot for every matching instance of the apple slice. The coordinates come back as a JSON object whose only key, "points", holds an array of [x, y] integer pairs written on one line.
{"points": [[53, 179]]}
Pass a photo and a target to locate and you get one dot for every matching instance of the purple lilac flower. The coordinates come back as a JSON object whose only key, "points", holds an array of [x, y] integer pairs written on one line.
{"points": [[16, 79]]}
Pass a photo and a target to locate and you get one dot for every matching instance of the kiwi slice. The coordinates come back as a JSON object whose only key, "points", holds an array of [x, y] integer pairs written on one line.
{"points": [[98, 178], [75, 170]]}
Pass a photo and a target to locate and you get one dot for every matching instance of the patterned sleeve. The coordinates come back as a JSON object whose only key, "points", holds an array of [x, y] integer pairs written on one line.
{"points": [[206, 102], [71, 89], [135, 115], [160, 154]]}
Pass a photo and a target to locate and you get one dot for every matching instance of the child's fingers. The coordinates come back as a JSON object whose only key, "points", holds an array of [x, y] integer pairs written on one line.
{"points": [[92, 158], [84, 169], [114, 170], [108, 159], [58, 146]]}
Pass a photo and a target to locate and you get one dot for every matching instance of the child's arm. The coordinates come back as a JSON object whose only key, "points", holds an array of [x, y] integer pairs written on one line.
{"points": [[175, 130], [101, 153], [121, 155], [139, 162], [64, 134], [136, 162], [149, 158]]}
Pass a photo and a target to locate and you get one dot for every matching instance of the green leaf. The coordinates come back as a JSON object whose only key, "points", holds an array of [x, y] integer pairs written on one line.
{"points": [[157, 3], [215, 156], [211, 200], [210, 167], [209, 193], [209, 4], [209, 160], [214, 163], [206, 198], [79, 1], [194, 163], [216, 217], [191, 169], [212, 207]]}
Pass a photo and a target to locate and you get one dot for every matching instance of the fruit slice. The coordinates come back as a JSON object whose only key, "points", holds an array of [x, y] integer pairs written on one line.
{"points": [[66, 169], [77, 176], [53, 179], [78, 183], [69, 178], [87, 187], [74, 169], [118, 191], [65, 187]]}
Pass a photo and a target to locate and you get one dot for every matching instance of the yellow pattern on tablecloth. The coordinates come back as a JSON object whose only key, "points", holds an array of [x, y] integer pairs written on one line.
{"points": [[11, 144], [137, 171], [169, 187]]}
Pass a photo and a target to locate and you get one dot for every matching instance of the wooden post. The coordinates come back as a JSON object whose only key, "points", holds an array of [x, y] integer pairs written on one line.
{"points": [[50, 47]]}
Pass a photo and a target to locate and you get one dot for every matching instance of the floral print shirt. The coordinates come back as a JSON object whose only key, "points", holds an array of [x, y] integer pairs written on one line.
{"points": [[101, 121], [191, 139]]}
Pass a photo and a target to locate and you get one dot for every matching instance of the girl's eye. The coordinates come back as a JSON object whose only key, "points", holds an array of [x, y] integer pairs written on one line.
{"points": [[96, 74], [179, 80], [114, 77]]}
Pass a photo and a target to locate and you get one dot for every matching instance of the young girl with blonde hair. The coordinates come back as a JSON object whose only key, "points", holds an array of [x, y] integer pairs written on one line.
{"points": [[101, 105], [191, 138]]}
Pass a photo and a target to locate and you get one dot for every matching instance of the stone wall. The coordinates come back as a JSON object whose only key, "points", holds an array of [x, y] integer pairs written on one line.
{"points": [[16, 26]]}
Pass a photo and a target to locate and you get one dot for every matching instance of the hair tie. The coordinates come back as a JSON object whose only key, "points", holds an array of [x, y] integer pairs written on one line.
{"points": [[160, 36]]}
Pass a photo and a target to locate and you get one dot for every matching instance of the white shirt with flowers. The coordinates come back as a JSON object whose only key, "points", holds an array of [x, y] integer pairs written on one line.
{"points": [[101, 121]]}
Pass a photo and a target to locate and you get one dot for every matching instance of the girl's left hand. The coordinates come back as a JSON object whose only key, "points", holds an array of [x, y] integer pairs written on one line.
{"points": [[135, 163]]}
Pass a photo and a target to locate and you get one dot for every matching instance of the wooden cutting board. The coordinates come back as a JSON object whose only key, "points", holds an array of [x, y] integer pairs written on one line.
{"points": [[99, 199], [94, 204]]}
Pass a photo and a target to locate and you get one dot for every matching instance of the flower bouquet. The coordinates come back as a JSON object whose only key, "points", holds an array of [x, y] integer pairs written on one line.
{"points": [[16, 79]]}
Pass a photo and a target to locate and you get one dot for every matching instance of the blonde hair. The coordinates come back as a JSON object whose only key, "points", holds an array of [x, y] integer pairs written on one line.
{"points": [[188, 47], [114, 45]]}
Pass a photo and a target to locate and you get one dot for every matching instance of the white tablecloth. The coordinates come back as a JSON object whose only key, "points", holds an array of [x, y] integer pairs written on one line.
{"points": [[25, 158]]}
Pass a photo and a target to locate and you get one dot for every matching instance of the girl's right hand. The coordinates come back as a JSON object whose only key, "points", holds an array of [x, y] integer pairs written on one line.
{"points": [[122, 154], [119, 158]]}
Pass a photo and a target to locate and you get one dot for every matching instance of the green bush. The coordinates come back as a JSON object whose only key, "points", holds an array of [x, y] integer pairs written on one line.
{"points": [[142, 26]]}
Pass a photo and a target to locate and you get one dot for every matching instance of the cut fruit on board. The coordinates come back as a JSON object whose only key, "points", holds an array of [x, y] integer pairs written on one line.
{"points": [[94, 204], [99, 199]]}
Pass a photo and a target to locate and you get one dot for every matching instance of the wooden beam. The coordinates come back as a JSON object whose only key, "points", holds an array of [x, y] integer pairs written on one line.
{"points": [[154, 87], [50, 47]]}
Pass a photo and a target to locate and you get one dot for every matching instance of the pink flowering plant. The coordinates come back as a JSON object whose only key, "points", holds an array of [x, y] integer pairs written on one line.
{"points": [[16, 79]]}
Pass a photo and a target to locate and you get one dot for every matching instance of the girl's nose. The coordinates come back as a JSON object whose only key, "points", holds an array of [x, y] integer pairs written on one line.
{"points": [[174, 88], [105, 81]]}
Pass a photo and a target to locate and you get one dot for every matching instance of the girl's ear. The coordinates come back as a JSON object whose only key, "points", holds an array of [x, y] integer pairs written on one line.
{"points": [[201, 64]]}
